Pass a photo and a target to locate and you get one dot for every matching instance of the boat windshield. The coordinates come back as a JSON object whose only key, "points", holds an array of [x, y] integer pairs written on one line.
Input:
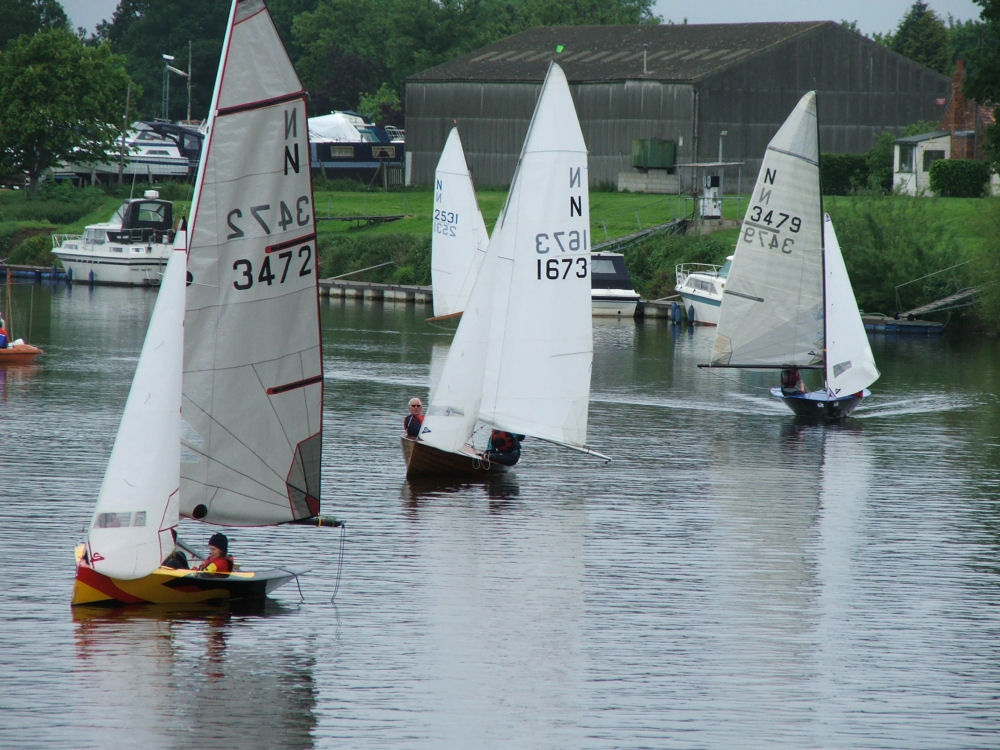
{"points": [[724, 271]]}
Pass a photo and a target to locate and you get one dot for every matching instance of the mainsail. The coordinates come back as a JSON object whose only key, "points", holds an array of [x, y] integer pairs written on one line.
{"points": [[521, 357], [459, 238], [252, 389], [772, 312]]}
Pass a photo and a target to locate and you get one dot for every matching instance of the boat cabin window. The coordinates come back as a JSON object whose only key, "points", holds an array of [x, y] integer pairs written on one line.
{"points": [[114, 520], [93, 236], [602, 265]]}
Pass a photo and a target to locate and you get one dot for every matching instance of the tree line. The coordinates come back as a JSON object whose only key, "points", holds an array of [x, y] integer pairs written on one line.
{"points": [[66, 92]]}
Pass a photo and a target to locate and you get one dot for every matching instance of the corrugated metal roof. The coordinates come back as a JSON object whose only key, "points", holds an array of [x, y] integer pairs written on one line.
{"points": [[674, 53]]}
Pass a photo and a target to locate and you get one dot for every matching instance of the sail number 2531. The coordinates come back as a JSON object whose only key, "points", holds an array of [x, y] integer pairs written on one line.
{"points": [[561, 267]]}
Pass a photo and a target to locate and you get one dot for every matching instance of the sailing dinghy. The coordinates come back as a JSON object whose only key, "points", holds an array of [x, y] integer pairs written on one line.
{"points": [[232, 351], [788, 301], [459, 238], [521, 356], [13, 351]]}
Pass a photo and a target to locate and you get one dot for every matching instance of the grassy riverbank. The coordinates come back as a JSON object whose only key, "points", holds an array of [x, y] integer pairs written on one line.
{"points": [[887, 240]]}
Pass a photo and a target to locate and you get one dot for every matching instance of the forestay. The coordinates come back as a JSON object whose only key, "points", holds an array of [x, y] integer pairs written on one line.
{"points": [[850, 364], [253, 371], [772, 312], [459, 238], [138, 503]]}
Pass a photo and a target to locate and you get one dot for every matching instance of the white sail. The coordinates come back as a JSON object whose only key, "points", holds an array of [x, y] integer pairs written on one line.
{"points": [[772, 311], [537, 375], [850, 365], [252, 367], [459, 238], [521, 357], [137, 506]]}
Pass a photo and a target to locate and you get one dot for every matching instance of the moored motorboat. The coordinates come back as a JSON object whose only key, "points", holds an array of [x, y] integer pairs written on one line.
{"points": [[611, 290], [131, 248], [701, 287]]}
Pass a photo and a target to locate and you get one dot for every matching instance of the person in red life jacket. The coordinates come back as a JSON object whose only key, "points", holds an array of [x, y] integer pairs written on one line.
{"points": [[3, 334], [413, 421], [791, 382], [503, 448], [218, 560]]}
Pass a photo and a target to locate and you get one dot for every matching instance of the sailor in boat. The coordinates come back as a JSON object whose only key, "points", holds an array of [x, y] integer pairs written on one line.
{"points": [[3, 334], [415, 419], [791, 382], [219, 560], [503, 448]]}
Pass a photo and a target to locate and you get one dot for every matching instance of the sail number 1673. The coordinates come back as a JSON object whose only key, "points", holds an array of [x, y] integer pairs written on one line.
{"points": [[561, 267]]}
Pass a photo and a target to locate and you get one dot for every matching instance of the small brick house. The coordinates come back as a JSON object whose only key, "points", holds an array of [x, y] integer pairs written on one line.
{"points": [[959, 136]]}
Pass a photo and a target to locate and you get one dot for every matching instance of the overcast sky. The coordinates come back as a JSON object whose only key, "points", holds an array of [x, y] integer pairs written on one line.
{"points": [[873, 16]]}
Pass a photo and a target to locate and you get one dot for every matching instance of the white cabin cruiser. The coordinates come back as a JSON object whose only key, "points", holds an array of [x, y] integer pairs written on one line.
{"points": [[129, 249], [701, 286], [611, 290]]}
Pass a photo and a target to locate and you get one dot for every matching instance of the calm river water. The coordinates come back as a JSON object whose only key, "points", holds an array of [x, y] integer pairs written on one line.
{"points": [[731, 579]]}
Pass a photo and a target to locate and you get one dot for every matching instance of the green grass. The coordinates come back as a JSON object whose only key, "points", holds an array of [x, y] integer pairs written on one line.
{"points": [[887, 240]]}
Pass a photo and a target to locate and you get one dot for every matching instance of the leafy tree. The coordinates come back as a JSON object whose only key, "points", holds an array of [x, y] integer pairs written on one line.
{"points": [[982, 80], [922, 37], [382, 107], [144, 30], [59, 100], [27, 17]]}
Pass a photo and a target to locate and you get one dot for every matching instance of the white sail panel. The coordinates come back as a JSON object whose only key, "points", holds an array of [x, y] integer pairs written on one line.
{"points": [[459, 237], [772, 312], [850, 365], [137, 506], [253, 370], [453, 403], [537, 372]]}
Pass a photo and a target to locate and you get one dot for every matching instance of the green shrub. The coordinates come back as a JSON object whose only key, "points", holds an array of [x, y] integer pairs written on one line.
{"points": [[959, 178], [842, 173], [383, 259], [889, 240]]}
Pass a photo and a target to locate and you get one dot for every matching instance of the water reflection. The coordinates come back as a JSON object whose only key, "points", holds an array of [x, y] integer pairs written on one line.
{"points": [[190, 674]]}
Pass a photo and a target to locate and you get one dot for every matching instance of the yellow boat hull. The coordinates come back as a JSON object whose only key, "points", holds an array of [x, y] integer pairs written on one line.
{"points": [[174, 586]]}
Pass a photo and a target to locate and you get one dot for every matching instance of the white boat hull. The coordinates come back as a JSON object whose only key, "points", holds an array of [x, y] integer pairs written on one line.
{"points": [[614, 303], [705, 308], [133, 266]]}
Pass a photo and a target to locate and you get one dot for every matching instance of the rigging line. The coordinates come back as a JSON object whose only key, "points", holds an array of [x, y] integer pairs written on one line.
{"points": [[340, 562]]}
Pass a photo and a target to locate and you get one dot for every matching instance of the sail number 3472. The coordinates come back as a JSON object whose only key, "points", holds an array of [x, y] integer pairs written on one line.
{"points": [[561, 267]]}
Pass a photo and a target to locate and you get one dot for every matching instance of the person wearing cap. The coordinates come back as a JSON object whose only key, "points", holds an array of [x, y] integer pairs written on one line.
{"points": [[415, 419], [218, 560]]}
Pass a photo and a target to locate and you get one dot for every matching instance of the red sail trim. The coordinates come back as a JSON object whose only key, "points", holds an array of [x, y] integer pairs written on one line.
{"points": [[290, 243], [100, 582], [247, 106], [285, 387]]}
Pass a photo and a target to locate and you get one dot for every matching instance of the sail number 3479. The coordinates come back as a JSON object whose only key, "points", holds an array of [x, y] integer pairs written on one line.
{"points": [[561, 267]]}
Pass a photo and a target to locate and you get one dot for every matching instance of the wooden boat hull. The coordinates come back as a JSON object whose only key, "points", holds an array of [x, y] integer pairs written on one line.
{"points": [[174, 586], [819, 406], [18, 353], [423, 460]]}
